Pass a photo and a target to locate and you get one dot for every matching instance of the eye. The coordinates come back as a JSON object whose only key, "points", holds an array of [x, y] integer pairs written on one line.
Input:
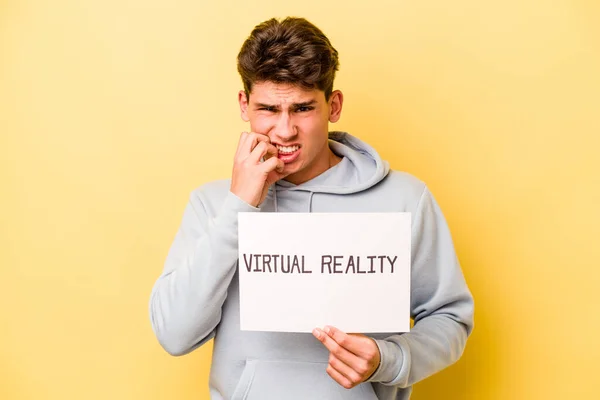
{"points": [[268, 109], [304, 109]]}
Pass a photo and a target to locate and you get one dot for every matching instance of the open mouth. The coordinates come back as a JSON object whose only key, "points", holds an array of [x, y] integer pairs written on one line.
{"points": [[287, 149], [288, 153]]}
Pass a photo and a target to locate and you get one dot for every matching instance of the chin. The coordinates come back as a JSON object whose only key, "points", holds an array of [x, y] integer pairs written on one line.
{"points": [[292, 168]]}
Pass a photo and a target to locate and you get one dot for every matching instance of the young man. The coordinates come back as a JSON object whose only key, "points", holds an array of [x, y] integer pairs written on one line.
{"points": [[290, 162]]}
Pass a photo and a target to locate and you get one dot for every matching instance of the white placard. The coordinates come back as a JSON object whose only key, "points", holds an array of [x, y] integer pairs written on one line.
{"points": [[299, 271]]}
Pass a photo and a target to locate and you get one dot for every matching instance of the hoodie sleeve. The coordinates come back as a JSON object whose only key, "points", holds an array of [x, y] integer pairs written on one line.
{"points": [[441, 305], [186, 300]]}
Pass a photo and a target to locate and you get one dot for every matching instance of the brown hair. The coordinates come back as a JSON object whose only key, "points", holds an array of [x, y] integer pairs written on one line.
{"points": [[291, 51]]}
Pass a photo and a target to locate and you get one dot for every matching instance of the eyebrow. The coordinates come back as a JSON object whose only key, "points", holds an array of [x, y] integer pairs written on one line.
{"points": [[294, 105]]}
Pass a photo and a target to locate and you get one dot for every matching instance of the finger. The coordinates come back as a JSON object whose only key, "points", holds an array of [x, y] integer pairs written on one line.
{"points": [[250, 141], [241, 141], [278, 174], [352, 375], [273, 164], [337, 350], [359, 345], [261, 150], [339, 378]]}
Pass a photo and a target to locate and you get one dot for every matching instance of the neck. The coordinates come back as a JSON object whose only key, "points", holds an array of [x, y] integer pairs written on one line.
{"points": [[330, 160], [334, 159]]}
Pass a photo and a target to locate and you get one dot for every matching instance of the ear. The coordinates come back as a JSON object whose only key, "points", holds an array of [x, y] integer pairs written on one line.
{"points": [[336, 100], [243, 100]]}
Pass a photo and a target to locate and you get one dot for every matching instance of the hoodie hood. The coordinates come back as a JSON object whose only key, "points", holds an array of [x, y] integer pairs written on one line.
{"points": [[360, 169]]}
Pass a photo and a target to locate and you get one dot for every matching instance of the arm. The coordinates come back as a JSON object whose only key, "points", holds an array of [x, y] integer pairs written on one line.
{"points": [[441, 305], [186, 301]]}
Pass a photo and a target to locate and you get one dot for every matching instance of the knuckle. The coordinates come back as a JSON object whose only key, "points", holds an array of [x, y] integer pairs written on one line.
{"points": [[372, 354], [336, 348], [255, 136], [336, 363], [329, 370], [362, 368], [355, 378]]}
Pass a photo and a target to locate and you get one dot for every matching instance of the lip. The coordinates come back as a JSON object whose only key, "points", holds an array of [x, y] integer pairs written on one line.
{"points": [[289, 157], [285, 145]]}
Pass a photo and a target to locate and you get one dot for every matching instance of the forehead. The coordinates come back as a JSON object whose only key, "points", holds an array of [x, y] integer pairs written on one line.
{"points": [[283, 93]]}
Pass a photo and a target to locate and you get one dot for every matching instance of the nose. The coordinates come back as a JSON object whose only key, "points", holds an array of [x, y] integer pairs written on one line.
{"points": [[284, 129]]}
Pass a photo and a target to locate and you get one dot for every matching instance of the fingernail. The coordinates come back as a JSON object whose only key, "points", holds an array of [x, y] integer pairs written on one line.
{"points": [[316, 333], [327, 329]]}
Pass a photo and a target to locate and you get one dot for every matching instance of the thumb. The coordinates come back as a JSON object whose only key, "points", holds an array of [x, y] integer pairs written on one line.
{"points": [[274, 176]]}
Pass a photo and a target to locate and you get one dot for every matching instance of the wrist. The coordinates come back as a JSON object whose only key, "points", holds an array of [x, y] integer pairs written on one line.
{"points": [[248, 199]]}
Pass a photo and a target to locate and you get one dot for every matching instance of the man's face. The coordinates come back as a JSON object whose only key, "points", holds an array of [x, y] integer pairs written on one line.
{"points": [[296, 121]]}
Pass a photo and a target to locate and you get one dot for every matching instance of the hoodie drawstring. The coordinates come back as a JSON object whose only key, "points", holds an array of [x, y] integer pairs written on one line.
{"points": [[310, 201]]}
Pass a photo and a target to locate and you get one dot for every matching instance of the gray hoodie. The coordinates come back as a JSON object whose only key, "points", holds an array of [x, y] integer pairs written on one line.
{"points": [[197, 296]]}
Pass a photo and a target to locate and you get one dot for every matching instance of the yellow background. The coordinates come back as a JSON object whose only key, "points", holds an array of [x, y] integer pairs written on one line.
{"points": [[112, 111]]}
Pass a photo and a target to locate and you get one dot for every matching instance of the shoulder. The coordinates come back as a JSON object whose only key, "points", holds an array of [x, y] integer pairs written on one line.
{"points": [[406, 181], [211, 194], [398, 191], [404, 184], [213, 188]]}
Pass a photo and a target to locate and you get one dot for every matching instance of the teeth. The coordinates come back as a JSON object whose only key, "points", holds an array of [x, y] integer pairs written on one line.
{"points": [[287, 149]]}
